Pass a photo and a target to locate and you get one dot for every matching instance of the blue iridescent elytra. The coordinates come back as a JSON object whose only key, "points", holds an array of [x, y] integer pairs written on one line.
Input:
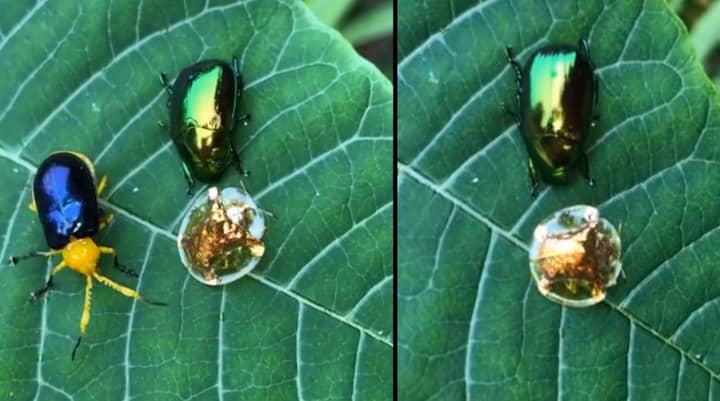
{"points": [[66, 198]]}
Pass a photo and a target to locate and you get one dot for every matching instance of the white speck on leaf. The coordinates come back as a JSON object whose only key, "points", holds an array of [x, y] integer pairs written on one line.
{"points": [[475, 180], [136, 189], [16, 170], [95, 107], [433, 79]]}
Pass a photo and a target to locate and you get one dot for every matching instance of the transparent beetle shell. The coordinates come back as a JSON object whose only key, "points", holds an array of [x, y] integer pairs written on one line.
{"points": [[220, 236], [575, 256]]}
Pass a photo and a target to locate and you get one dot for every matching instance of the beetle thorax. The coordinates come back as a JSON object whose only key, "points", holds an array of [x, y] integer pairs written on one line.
{"points": [[82, 255]]}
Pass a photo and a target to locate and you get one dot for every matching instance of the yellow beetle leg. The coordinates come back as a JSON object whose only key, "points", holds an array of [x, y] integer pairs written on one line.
{"points": [[107, 250], [58, 267], [101, 187], [116, 263], [105, 219], [122, 289], [16, 259], [37, 294], [85, 319]]}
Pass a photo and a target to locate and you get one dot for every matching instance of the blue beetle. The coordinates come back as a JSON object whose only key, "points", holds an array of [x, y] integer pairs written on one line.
{"points": [[65, 199]]}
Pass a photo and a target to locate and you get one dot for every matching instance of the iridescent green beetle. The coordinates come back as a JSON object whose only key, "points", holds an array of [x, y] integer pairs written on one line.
{"points": [[203, 104], [557, 95]]}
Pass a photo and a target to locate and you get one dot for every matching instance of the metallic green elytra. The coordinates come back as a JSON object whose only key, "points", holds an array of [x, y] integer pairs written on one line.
{"points": [[203, 104], [557, 95]]}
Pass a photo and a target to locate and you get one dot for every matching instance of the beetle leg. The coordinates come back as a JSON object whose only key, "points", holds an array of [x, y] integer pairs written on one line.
{"points": [[167, 86], [188, 178], [236, 70], [584, 47], [58, 267], [585, 52], [102, 185], [105, 219], [16, 259], [533, 178], [85, 318], [165, 83], [124, 290], [586, 170], [37, 294], [595, 87], [244, 119], [236, 161], [40, 292], [32, 205], [116, 263], [518, 73]]}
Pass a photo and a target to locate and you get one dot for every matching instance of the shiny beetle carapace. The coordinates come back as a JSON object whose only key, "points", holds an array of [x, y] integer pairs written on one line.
{"points": [[203, 103], [557, 95], [65, 199]]}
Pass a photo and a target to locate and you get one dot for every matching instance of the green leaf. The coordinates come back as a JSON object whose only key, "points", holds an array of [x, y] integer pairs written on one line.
{"points": [[705, 35], [472, 325], [675, 4], [371, 25], [314, 321], [330, 12]]}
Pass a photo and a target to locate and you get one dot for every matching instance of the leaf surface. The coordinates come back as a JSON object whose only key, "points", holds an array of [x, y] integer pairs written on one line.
{"points": [[314, 320], [472, 325]]}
